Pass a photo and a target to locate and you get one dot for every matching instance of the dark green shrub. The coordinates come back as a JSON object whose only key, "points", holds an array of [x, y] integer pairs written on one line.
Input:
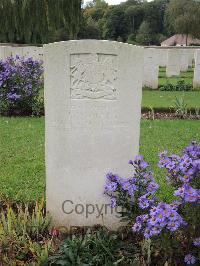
{"points": [[181, 85]]}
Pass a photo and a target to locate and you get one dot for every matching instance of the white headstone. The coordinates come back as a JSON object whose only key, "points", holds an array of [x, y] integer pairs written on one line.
{"points": [[17, 51], [34, 52], [173, 62], [2, 52], [162, 57], [93, 95], [7, 51], [184, 60], [191, 53], [196, 80], [151, 68]]}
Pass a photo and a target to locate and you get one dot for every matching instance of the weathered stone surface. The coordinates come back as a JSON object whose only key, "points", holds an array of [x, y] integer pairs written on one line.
{"points": [[34, 52], [196, 80], [184, 59], [151, 68], [26, 51], [173, 62], [162, 57], [93, 103], [191, 53]]}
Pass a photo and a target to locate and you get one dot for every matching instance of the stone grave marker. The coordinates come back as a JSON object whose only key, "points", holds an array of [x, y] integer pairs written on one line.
{"points": [[93, 95]]}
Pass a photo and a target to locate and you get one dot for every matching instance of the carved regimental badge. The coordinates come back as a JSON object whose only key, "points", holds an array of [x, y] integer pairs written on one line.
{"points": [[93, 76]]}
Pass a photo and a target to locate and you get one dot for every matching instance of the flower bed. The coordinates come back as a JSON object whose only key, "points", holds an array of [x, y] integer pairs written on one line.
{"points": [[20, 83]]}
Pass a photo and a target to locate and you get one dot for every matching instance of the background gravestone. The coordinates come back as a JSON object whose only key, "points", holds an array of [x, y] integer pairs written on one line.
{"points": [[173, 62], [151, 68], [196, 80], [93, 106], [184, 59]]}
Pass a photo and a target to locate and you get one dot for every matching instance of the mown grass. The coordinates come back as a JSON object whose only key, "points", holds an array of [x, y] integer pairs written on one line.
{"points": [[187, 76], [165, 99], [22, 175]]}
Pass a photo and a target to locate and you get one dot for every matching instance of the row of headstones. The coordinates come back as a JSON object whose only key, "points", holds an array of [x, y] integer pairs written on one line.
{"points": [[174, 59], [24, 51]]}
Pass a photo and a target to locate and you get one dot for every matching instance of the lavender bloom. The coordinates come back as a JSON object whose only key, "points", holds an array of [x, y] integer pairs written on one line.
{"points": [[187, 193], [136, 227], [196, 242], [13, 96], [152, 187], [128, 184], [20, 83], [144, 202], [139, 161], [113, 202], [110, 187], [190, 259], [112, 177], [161, 216], [193, 150]]}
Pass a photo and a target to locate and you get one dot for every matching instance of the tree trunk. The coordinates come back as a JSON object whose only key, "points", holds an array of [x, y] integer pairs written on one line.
{"points": [[186, 39]]}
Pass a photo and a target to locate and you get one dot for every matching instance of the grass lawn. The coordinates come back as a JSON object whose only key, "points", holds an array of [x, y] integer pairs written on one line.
{"points": [[22, 175], [165, 99], [187, 76]]}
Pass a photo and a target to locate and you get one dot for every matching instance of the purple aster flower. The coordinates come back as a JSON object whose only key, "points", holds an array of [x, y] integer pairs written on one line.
{"points": [[131, 162], [142, 218], [196, 242], [13, 96], [190, 259], [144, 202], [136, 227], [152, 187], [112, 177], [128, 184], [173, 225], [110, 187], [139, 161], [113, 202], [163, 154]]}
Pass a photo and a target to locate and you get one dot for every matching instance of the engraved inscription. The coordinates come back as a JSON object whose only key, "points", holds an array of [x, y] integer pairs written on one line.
{"points": [[93, 76]]}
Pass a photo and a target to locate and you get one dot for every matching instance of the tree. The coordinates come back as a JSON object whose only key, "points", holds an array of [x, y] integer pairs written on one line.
{"points": [[37, 21], [116, 24], [144, 35], [134, 14], [97, 4], [183, 17]]}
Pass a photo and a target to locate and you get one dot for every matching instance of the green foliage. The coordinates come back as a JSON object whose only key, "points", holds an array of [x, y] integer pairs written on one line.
{"points": [[180, 107], [144, 35], [98, 248], [179, 86], [164, 99], [115, 24], [183, 16], [126, 19], [38, 21], [24, 235]]}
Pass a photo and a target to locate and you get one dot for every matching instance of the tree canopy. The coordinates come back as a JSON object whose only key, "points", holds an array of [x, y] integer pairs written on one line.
{"points": [[183, 16], [39, 21], [133, 21]]}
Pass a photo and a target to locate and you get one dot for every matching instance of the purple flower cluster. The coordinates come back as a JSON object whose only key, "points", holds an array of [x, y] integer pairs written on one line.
{"points": [[162, 216], [141, 185], [190, 259], [183, 171], [20, 82], [152, 217]]}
